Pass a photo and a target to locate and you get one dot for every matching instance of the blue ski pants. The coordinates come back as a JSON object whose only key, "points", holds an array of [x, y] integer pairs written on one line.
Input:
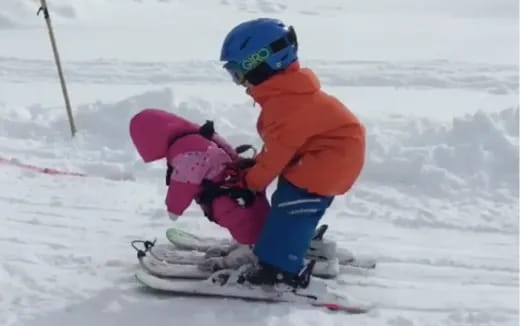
{"points": [[290, 226]]}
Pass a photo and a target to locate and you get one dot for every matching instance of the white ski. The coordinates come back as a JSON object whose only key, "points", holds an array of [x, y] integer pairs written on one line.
{"points": [[187, 241], [170, 267], [224, 284], [185, 254]]}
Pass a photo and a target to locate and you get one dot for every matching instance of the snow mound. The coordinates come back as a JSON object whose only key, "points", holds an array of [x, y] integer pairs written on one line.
{"points": [[475, 154], [459, 175]]}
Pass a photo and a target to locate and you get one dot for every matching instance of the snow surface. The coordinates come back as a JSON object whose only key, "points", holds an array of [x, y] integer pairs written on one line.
{"points": [[436, 85]]}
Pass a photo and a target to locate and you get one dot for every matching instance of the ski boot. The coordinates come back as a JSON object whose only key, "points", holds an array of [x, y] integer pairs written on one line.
{"points": [[266, 275], [324, 252], [321, 249]]}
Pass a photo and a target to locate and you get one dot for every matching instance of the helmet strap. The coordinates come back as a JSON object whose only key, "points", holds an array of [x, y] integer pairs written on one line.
{"points": [[287, 40], [260, 74]]}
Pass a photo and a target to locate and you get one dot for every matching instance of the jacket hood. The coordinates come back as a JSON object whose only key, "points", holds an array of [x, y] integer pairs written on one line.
{"points": [[152, 130]]}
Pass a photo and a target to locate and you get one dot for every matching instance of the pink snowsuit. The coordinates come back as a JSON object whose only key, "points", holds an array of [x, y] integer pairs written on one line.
{"points": [[193, 159]]}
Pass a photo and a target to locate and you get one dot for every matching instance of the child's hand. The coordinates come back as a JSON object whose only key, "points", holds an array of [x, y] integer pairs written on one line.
{"points": [[244, 163], [173, 217], [237, 178], [236, 173]]}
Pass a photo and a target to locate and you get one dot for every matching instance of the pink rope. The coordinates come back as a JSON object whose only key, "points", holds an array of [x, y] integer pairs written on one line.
{"points": [[38, 169]]}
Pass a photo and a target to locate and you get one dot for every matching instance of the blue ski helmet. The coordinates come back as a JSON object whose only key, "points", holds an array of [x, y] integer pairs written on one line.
{"points": [[257, 49]]}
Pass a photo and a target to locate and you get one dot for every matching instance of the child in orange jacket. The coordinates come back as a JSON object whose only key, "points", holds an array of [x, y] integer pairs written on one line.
{"points": [[312, 143]]}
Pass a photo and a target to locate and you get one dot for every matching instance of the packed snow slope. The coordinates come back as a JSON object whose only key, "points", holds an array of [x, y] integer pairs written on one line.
{"points": [[437, 204]]}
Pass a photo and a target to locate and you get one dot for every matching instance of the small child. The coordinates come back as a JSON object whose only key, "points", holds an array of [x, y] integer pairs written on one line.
{"points": [[312, 143], [197, 167]]}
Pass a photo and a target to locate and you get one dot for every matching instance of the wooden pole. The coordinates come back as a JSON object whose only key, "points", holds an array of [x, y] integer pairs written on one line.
{"points": [[47, 17]]}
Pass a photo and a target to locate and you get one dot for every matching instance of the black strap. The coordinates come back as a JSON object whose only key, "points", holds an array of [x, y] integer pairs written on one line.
{"points": [[147, 246], [213, 190], [284, 41], [263, 71], [207, 130], [169, 171]]}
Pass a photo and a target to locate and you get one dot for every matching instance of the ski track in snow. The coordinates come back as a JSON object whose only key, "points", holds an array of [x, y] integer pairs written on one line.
{"points": [[59, 250], [439, 74]]}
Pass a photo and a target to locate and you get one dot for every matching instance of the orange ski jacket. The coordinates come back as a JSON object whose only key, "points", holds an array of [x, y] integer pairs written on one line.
{"points": [[310, 137]]}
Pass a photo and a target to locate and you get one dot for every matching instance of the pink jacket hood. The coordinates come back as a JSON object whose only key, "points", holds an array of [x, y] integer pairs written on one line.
{"points": [[152, 131]]}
